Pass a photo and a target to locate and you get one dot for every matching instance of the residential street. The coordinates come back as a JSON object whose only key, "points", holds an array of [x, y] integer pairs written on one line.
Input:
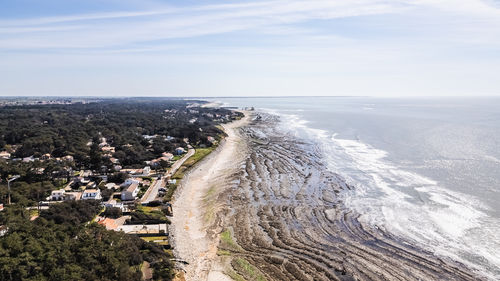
{"points": [[152, 191]]}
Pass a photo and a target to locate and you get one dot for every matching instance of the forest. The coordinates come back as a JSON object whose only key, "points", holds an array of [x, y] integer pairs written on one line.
{"points": [[76, 129], [61, 245]]}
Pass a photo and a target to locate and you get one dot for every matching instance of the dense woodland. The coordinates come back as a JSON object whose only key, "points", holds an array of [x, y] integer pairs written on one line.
{"points": [[67, 129], [61, 245]]}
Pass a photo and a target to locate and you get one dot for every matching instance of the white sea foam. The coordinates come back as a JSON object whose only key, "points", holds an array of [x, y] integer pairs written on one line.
{"points": [[412, 206]]}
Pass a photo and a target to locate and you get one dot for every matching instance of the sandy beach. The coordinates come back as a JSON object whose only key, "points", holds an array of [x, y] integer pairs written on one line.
{"points": [[264, 207], [195, 229]]}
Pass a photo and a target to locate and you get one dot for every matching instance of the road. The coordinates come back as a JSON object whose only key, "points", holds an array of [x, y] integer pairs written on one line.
{"points": [[152, 191], [181, 161]]}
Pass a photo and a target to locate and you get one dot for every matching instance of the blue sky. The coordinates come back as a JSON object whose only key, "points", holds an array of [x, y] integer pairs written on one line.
{"points": [[247, 48]]}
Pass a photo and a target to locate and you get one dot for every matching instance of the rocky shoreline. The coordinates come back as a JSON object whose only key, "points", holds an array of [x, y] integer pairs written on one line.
{"points": [[280, 216]]}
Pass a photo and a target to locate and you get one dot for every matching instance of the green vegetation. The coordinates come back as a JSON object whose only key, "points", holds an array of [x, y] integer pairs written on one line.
{"points": [[62, 245], [147, 215], [199, 154], [248, 270], [227, 242], [235, 276]]}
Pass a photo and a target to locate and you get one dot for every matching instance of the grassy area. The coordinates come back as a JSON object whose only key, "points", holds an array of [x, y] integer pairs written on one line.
{"points": [[227, 242], [153, 238], [235, 276], [223, 253], [247, 269], [154, 212], [147, 209], [199, 154]]}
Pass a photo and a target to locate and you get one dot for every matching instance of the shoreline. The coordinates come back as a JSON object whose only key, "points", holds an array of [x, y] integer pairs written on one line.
{"points": [[274, 213], [195, 235]]}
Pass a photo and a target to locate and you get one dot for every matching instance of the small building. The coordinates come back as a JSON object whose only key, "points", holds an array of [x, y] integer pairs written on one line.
{"points": [[113, 204], [28, 159], [91, 194], [68, 158], [57, 195], [179, 151], [146, 171], [108, 149], [111, 185], [130, 192], [4, 155], [1, 207], [168, 156], [46, 156]]}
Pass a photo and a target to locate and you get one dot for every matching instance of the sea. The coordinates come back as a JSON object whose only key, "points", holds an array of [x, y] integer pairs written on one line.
{"points": [[426, 170]]}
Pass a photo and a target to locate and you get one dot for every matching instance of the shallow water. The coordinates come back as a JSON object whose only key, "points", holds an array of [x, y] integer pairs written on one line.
{"points": [[427, 170]]}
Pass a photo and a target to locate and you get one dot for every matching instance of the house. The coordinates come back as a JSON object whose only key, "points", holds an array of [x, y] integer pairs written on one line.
{"points": [[68, 158], [28, 159], [146, 171], [3, 230], [4, 155], [130, 181], [130, 192], [113, 204], [108, 149], [179, 151], [91, 194], [57, 195], [46, 156], [111, 186], [168, 156], [1, 207]]}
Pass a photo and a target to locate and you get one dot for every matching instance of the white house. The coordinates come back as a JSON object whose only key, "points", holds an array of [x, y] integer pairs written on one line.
{"points": [[4, 155], [130, 192], [168, 156], [111, 185], [146, 171], [114, 204], [179, 151], [57, 195], [91, 194]]}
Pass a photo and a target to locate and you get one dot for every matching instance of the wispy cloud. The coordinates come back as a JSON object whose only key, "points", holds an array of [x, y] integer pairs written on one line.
{"points": [[121, 28], [257, 46]]}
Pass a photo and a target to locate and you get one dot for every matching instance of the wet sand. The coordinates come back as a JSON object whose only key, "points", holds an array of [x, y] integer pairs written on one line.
{"points": [[282, 218]]}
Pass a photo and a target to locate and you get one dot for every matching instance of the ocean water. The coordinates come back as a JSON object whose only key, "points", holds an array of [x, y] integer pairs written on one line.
{"points": [[426, 170]]}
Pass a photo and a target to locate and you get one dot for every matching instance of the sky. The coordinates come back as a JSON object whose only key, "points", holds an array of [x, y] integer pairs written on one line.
{"points": [[397, 48]]}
